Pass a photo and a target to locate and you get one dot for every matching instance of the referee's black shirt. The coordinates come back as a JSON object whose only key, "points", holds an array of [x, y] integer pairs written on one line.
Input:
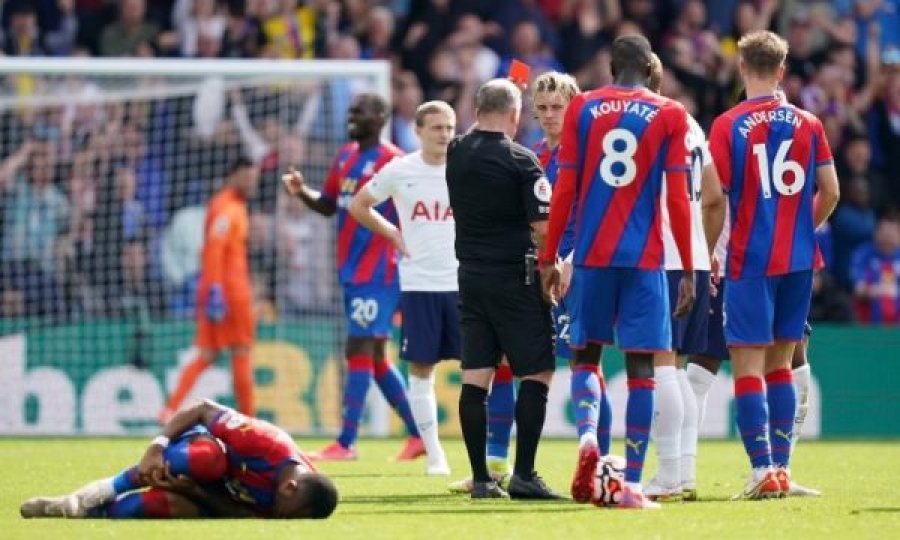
{"points": [[497, 189]]}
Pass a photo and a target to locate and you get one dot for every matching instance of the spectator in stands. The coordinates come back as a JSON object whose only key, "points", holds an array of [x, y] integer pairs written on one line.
{"points": [[886, 119], [830, 303], [23, 37], [202, 22], [876, 276], [526, 45], [130, 34], [180, 247], [855, 161], [304, 259], [467, 40], [506, 16], [243, 36], [852, 225], [36, 216], [294, 32], [863, 12], [60, 38], [134, 232], [378, 33], [426, 28], [407, 96], [804, 58], [585, 27]]}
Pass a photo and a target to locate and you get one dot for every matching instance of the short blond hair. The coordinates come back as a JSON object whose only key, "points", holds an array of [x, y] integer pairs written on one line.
{"points": [[654, 83], [433, 107], [553, 82], [763, 52]]}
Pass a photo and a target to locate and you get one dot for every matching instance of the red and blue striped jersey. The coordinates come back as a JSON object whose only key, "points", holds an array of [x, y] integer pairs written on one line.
{"points": [[617, 143], [766, 152], [362, 255], [549, 158], [876, 282], [257, 452]]}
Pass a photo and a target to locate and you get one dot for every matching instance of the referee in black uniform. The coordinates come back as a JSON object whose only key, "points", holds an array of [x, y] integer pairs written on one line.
{"points": [[501, 200]]}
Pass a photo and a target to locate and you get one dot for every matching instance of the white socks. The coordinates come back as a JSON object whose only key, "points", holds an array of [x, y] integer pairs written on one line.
{"points": [[802, 376], [701, 381], [423, 403], [668, 418], [689, 431]]}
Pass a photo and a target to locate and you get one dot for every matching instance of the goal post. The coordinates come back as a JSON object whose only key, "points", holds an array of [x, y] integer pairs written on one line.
{"points": [[105, 168]]}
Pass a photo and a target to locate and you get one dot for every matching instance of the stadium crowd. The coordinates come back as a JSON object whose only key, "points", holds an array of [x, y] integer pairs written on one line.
{"points": [[102, 201]]}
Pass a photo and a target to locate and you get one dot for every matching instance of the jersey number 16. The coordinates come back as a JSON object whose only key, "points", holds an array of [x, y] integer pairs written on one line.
{"points": [[780, 168]]}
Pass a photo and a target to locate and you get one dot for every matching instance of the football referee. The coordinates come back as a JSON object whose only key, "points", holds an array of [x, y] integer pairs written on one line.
{"points": [[500, 199]]}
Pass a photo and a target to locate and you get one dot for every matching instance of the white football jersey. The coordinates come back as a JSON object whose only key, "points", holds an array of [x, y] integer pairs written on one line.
{"points": [[419, 193], [700, 159]]}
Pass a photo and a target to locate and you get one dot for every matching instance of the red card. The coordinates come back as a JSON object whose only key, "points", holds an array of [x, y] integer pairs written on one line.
{"points": [[519, 72]]}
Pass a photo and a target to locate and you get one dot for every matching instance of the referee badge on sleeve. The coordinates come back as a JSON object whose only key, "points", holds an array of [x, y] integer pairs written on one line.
{"points": [[542, 189]]}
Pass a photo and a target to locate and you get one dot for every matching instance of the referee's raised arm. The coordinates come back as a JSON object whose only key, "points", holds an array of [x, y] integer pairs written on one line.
{"points": [[500, 197]]}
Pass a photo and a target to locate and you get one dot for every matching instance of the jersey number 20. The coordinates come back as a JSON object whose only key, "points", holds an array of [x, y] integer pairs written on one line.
{"points": [[780, 168]]}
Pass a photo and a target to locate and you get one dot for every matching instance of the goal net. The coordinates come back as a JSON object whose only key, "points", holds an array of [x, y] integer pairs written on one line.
{"points": [[106, 168]]}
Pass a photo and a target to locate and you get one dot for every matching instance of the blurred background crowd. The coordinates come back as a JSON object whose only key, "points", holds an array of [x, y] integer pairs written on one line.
{"points": [[101, 198]]}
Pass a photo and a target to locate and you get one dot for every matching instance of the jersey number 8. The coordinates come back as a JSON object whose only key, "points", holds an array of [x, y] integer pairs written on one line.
{"points": [[625, 157], [780, 168]]}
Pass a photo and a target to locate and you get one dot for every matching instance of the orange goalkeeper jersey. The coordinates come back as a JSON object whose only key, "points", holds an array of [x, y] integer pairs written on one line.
{"points": [[225, 235]]}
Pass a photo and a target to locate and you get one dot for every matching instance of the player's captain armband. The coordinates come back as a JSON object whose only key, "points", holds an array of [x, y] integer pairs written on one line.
{"points": [[519, 72], [221, 225]]}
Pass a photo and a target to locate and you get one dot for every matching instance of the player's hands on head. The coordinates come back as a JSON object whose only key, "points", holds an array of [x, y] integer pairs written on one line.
{"points": [[293, 181], [152, 461], [550, 283], [686, 294], [164, 479]]}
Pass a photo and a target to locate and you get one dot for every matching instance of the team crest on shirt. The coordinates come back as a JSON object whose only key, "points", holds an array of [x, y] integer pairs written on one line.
{"points": [[542, 189], [220, 226], [235, 421]]}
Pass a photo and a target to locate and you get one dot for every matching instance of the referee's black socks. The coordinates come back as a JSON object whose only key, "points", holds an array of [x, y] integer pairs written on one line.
{"points": [[531, 408], [473, 420]]}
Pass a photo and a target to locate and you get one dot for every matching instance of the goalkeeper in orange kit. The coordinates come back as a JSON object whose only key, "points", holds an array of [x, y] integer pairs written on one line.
{"points": [[224, 292]]}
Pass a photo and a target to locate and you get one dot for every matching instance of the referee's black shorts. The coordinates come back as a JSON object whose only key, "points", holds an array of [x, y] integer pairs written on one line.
{"points": [[499, 314]]}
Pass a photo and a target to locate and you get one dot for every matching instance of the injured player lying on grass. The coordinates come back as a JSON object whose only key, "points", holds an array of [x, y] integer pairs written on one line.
{"points": [[210, 461]]}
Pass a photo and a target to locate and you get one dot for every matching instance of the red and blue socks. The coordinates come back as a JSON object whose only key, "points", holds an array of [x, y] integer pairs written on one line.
{"points": [[501, 412], [390, 382], [753, 420], [782, 400], [359, 377], [586, 395], [604, 420], [151, 504], [638, 419]]}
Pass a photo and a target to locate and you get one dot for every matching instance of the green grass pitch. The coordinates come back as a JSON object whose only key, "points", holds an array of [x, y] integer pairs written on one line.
{"points": [[381, 499]]}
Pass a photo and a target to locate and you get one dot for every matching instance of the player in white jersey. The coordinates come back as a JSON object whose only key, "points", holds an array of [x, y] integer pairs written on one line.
{"points": [[428, 281], [675, 415]]}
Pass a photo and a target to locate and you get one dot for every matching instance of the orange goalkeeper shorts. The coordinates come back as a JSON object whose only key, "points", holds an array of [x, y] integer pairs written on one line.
{"points": [[237, 329]]}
